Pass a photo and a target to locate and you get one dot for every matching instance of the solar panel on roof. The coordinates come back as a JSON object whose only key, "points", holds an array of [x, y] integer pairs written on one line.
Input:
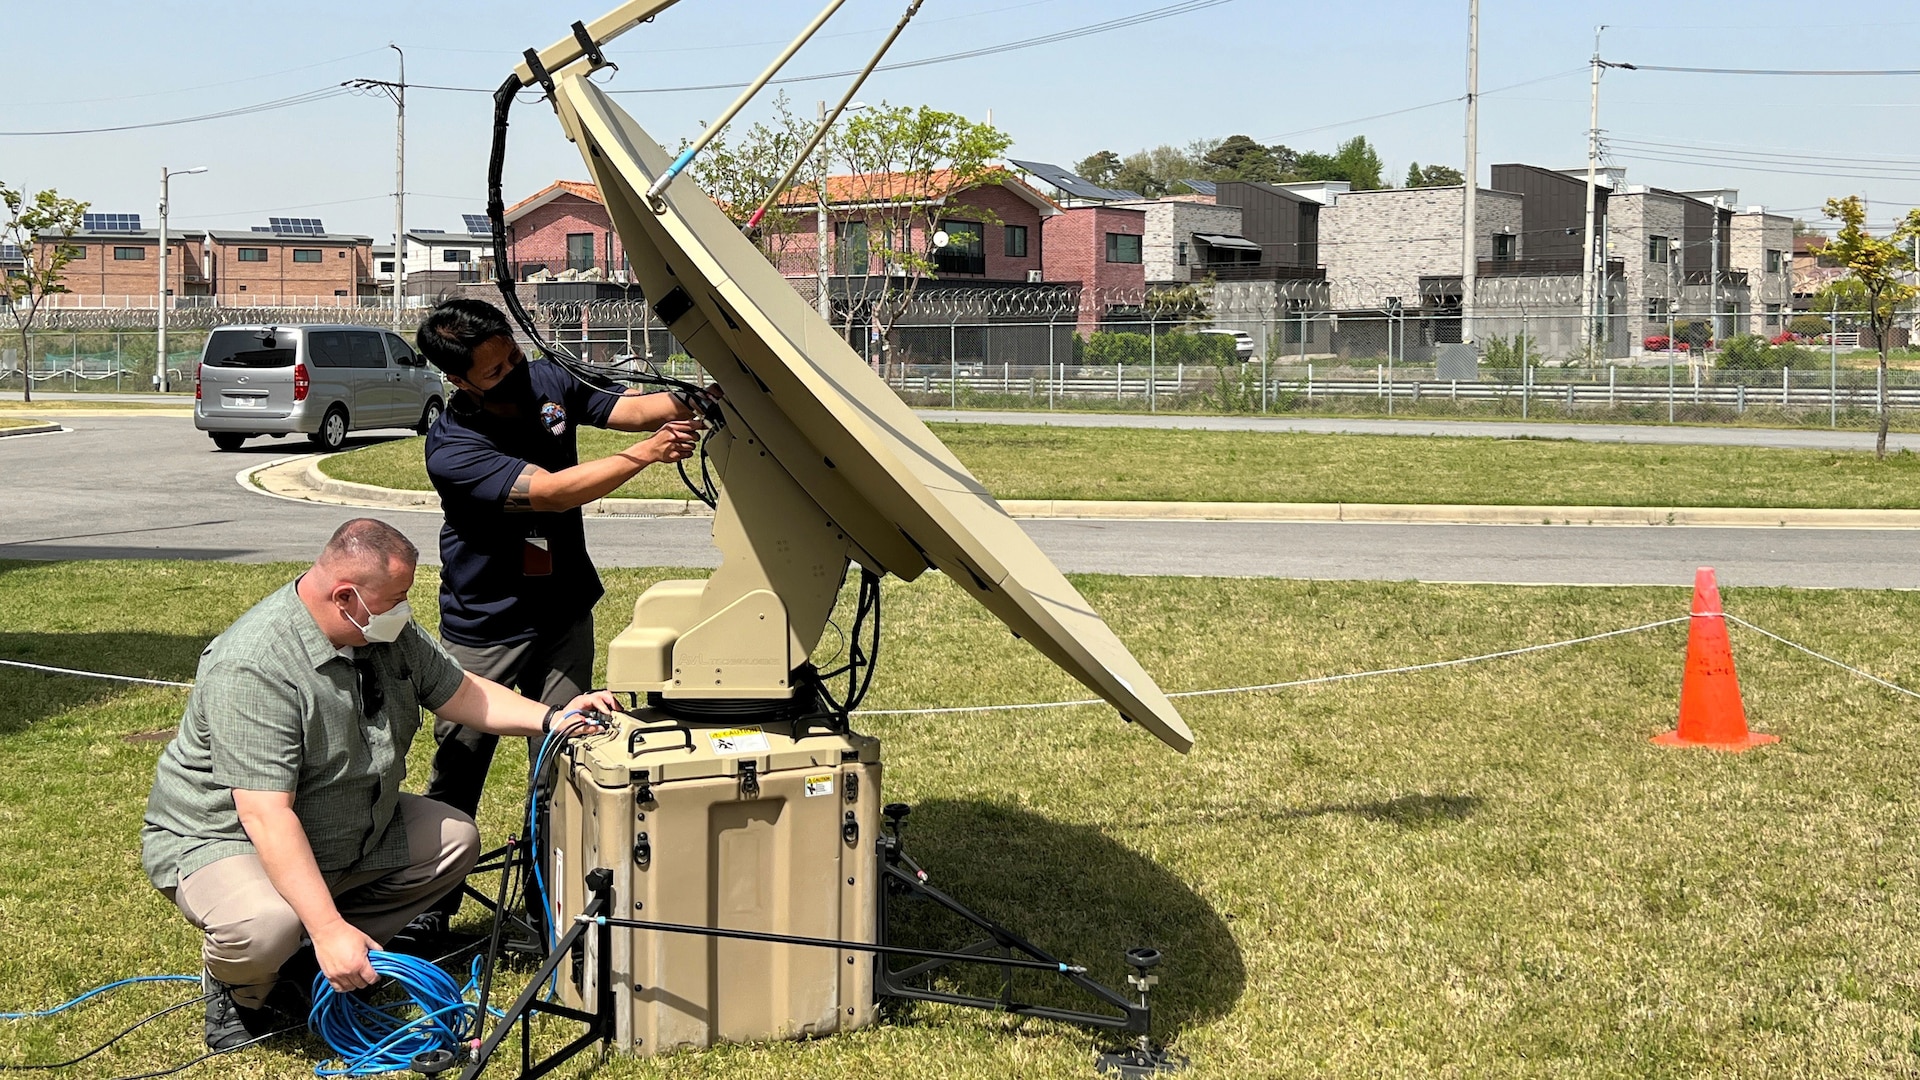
{"points": [[111, 222], [262, 228], [477, 224], [431, 232], [1202, 187], [296, 226]]}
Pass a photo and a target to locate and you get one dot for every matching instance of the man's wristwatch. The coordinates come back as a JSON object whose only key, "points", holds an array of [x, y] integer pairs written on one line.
{"points": [[546, 722]]}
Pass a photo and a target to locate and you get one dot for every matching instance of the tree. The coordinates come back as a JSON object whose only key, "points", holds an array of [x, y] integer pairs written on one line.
{"points": [[1877, 263], [30, 225], [1238, 157], [739, 173], [1433, 176], [1354, 161], [911, 168], [1154, 172], [1099, 168]]}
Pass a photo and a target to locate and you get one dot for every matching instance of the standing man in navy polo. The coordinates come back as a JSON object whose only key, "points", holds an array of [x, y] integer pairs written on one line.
{"points": [[516, 586]]}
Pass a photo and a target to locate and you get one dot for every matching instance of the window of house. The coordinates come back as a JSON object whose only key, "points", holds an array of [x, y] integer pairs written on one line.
{"points": [[307, 255], [1180, 253], [527, 270], [1503, 246], [79, 252], [1123, 248], [580, 251], [135, 253], [1016, 241], [851, 253], [456, 255], [386, 266], [339, 292], [966, 250], [1774, 258], [1657, 307], [1773, 310], [1657, 249], [253, 255]]}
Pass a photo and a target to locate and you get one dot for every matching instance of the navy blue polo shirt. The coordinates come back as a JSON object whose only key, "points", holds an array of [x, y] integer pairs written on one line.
{"points": [[505, 577]]}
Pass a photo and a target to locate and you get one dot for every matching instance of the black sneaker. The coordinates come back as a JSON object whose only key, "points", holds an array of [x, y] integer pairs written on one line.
{"points": [[231, 1024]]}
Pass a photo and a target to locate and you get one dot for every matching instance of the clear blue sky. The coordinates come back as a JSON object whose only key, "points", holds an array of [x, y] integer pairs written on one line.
{"points": [[1272, 69]]}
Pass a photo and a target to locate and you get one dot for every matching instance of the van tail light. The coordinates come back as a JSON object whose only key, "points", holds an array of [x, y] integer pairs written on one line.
{"points": [[301, 383], [196, 381]]}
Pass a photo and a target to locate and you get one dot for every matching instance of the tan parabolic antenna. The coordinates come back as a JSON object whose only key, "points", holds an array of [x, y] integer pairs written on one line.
{"points": [[829, 421]]}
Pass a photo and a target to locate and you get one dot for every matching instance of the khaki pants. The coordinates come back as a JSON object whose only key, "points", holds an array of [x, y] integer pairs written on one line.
{"points": [[251, 930]]}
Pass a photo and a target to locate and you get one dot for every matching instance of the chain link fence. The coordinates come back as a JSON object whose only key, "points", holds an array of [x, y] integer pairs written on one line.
{"points": [[1812, 370]]}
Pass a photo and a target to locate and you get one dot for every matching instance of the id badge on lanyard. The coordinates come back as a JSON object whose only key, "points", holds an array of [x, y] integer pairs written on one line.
{"points": [[536, 557]]}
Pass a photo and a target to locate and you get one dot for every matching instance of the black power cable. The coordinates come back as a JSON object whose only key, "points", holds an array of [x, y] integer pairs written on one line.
{"points": [[863, 650]]}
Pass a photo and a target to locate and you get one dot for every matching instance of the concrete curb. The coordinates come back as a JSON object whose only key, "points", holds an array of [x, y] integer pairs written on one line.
{"points": [[31, 429], [301, 478]]}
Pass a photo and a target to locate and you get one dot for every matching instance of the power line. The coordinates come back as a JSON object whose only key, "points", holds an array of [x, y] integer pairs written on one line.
{"points": [[1748, 166], [1771, 152], [1765, 71], [1429, 105], [244, 110]]}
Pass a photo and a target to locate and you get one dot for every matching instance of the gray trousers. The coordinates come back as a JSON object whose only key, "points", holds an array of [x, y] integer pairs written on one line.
{"points": [[553, 668], [251, 930]]}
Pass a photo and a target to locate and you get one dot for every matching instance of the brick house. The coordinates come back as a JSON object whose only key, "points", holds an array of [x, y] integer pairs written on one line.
{"points": [[125, 265], [121, 268], [1762, 248], [1103, 249], [995, 229], [564, 227]]}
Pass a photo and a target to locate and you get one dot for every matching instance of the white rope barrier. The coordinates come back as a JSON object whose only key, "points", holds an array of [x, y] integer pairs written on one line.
{"points": [[1869, 676], [93, 674], [1292, 684]]}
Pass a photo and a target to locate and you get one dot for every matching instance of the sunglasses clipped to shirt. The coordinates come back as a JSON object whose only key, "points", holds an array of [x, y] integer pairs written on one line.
{"points": [[372, 697]]}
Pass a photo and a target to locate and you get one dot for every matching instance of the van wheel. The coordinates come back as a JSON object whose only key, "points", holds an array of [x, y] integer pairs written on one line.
{"points": [[428, 417], [228, 440], [333, 430]]}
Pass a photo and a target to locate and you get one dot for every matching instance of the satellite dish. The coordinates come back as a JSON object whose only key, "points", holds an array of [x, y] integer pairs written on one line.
{"points": [[820, 463], [940, 238]]}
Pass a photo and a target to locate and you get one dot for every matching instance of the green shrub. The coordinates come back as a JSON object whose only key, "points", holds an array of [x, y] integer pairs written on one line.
{"points": [[1507, 352], [1107, 348], [1808, 326], [1747, 352]]}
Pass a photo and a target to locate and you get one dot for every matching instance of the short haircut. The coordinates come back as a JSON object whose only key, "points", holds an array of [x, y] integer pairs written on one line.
{"points": [[455, 328], [368, 543]]}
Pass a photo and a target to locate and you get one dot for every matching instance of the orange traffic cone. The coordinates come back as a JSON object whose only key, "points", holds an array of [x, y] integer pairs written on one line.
{"points": [[1711, 714]]}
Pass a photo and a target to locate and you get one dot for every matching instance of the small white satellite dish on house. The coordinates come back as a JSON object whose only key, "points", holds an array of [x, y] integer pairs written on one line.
{"points": [[940, 238]]}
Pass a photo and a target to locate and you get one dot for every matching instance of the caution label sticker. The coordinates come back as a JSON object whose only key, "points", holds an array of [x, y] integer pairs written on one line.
{"points": [[738, 741], [819, 785]]}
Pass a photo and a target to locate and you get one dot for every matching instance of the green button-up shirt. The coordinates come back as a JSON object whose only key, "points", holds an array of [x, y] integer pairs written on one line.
{"points": [[276, 707]]}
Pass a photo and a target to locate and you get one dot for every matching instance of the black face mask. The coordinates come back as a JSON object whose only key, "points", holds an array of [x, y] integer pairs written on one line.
{"points": [[514, 388]]}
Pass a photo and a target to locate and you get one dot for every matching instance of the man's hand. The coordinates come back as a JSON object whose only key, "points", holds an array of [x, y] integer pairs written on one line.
{"points": [[341, 950], [602, 701], [692, 406], [675, 441]]}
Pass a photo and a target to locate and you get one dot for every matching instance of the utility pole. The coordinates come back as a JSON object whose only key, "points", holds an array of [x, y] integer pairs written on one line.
{"points": [[398, 92], [1593, 164], [820, 202], [1470, 257], [160, 380], [1713, 277]]}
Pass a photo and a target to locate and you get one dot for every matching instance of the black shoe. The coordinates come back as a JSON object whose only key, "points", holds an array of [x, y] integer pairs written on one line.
{"points": [[292, 996], [231, 1024]]}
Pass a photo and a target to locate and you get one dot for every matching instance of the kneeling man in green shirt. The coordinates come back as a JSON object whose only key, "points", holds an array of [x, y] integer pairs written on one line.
{"points": [[277, 814]]}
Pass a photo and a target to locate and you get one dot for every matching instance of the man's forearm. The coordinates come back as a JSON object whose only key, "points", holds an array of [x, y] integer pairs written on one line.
{"points": [[644, 412], [281, 842], [485, 705], [579, 484]]}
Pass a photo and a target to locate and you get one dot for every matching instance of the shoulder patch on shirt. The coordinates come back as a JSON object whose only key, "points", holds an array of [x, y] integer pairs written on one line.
{"points": [[554, 416]]}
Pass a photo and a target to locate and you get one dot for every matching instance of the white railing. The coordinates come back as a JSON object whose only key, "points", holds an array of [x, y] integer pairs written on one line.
{"points": [[89, 302]]}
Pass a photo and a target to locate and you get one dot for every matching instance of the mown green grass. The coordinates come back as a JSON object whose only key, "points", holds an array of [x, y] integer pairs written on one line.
{"points": [[1020, 462], [19, 421], [1484, 871]]}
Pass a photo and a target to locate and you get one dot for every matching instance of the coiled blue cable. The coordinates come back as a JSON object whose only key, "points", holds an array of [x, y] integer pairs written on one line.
{"points": [[97, 991], [374, 1039]]}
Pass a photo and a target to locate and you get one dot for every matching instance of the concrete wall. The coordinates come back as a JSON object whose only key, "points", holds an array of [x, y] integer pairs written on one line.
{"points": [[1170, 224], [1377, 244], [1636, 215], [1754, 234]]}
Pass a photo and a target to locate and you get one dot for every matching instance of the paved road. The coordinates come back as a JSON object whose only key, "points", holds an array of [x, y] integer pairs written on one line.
{"points": [[150, 486], [1670, 435]]}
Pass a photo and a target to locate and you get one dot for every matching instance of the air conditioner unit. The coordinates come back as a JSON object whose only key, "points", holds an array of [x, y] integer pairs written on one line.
{"points": [[1034, 277]]}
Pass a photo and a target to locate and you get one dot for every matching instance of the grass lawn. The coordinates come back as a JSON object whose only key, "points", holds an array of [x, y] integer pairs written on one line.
{"points": [[1482, 871], [1017, 462], [41, 405], [19, 421]]}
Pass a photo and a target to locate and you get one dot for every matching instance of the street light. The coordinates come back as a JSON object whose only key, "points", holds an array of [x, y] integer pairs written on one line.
{"points": [[160, 339], [825, 300]]}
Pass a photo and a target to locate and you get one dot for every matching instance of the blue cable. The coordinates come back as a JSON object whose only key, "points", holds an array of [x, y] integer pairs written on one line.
{"points": [[553, 739], [96, 991], [374, 1039]]}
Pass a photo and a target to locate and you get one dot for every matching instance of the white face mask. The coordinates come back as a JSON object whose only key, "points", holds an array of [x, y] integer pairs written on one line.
{"points": [[385, 626]]}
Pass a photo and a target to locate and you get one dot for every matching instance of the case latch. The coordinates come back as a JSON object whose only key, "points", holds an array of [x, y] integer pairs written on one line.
{"points": [[749, 780]]}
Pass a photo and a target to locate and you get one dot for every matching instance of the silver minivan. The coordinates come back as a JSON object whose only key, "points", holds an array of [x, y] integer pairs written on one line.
{"points": [[321, 381]]}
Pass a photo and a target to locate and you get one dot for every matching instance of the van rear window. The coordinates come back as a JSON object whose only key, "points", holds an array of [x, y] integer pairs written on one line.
{"points": [[247, 349]]}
